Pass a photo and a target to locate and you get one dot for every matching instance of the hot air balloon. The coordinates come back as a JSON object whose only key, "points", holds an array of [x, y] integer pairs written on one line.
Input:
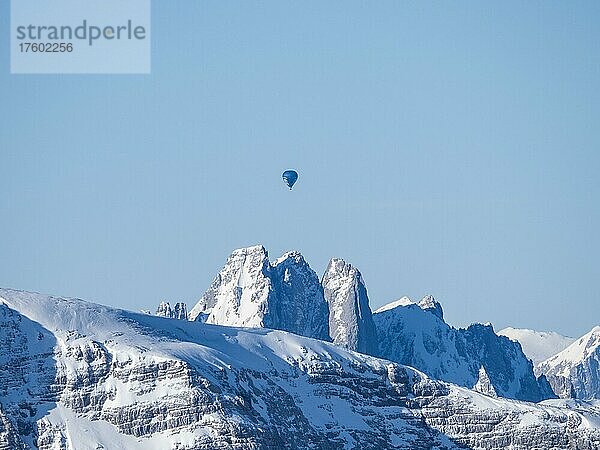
{"points": [[289, 178]]}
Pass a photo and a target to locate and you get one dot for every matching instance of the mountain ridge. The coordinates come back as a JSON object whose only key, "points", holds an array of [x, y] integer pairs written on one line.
{"points": [[415, 334], [109, 378], [537, 345], [286, 294], [575, 371]]}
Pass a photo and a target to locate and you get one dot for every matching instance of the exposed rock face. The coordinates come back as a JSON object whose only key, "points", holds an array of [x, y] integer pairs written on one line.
{"points": [[251, 292], [9, 435], [350, 319], [546, 389], [575, 371], [179, 311], [484, 385], [300, 306], [27, 377], [486, 427], [416, 335], [164, 310], [104, 378], [561, 386]]}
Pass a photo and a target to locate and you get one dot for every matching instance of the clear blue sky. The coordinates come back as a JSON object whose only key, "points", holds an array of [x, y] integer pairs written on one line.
{"points": [[443, 148]]}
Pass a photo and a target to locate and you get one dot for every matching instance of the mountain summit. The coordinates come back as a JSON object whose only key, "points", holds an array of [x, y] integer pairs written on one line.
{"points": [[575, 371], [250, 291], [350, 319]]}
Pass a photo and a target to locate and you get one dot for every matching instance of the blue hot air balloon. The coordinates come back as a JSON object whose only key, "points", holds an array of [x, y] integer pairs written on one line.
{"points": [[290, 177]]}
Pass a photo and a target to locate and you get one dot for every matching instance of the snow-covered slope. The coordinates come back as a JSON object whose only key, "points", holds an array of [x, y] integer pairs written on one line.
{"points": [[537, 345], [251, 292], [575, 371], [416, 335], [350, 319], [80, 376], [403, 301]]}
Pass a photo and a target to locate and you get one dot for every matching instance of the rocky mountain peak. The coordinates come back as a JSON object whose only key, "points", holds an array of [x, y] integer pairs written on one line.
{"points": [[257, 250], [293, 257], [574, 372], [250, 291], [164, 309], [350, 319], [298, 304], [237, 295], [179, 311], [341, 267], [428, 303]]}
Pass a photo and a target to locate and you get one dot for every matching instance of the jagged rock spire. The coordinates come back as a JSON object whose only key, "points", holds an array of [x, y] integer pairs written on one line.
{"points": [[179, 311], [350, 319], [484, 385], [428, 303], [164, 310]]}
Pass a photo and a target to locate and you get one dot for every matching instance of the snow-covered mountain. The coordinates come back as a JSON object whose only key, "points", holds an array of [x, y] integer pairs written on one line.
{"points": [[251, 292], [350, 319], [415, 334], [537, 345], [239, 294], [80, 376], [575, 371]]}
